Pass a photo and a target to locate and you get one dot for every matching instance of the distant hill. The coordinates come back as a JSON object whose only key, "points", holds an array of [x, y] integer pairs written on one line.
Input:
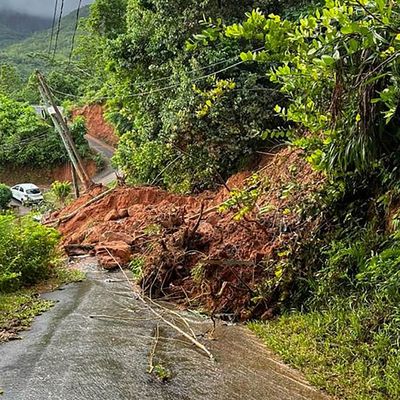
{"points": [[30, 53], [15, 27]]}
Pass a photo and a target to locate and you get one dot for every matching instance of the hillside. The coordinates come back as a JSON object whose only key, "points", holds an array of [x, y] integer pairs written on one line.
{"points": [[31, 52], [15, 27]]}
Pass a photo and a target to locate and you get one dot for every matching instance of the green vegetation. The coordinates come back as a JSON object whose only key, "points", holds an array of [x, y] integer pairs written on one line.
{"points": [[338, 71], [15, 27], [28, 257], [5, 196], [27, 252], [194, 102], [31, 51], [17, 311], [21, 132], [61, 191]]}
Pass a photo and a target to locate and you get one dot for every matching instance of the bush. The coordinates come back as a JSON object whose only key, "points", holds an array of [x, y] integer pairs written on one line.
{"points": [[61, 191], [27, 252], [5, 196]]}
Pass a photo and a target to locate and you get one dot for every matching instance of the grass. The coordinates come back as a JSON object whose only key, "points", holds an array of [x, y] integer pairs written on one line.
{"points": [[18, 309], [340, 351]]}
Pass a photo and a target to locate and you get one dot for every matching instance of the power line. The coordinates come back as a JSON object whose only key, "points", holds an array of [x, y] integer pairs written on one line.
{"points": [[169, 86], [75, 29], [58, 28], [24, 142], [53, 25]]}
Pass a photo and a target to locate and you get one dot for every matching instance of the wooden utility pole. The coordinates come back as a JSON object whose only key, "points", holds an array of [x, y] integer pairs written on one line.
{"points": [[74, 181], [63, 130]]}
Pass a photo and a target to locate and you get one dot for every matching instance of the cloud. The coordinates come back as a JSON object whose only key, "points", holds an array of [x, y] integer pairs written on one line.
{"points": [[43, 8]]}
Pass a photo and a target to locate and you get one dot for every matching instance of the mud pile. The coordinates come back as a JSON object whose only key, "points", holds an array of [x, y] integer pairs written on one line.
{"points": [[184, 248]]}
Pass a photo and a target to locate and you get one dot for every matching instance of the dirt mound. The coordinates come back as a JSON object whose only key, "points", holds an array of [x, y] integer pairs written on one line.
{"points": [[185, 248], [96, 124]]}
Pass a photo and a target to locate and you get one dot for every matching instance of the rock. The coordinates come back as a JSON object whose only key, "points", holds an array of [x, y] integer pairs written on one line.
{"points": [[121, 254], [111, 236], [111, 216], [123, 213]]}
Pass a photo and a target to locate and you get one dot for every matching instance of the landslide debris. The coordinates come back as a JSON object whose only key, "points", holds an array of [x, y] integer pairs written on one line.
{"points": [[186, 249]]}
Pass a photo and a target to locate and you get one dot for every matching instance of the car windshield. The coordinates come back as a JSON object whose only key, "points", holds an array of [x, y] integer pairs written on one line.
{"points": [[33, 191]]}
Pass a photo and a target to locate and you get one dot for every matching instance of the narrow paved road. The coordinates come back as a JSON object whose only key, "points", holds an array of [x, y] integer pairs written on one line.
{"points": [[95, 344], [108, 174]]}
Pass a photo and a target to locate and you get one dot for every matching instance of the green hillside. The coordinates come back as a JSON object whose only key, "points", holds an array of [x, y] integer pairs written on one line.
{"points": [[8, 36], [15, 27], [33, 52]]}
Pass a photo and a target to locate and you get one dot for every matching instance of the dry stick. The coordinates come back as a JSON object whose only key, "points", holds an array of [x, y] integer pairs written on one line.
{"points": [[153, 350], [69, 216], [158, 315], [118, 318], [174, 313], [215, 208]]}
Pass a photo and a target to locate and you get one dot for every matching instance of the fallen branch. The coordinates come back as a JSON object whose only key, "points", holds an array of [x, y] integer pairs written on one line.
{"points": [[153, 350], [159, 316], [208, 211], [90, 202]]}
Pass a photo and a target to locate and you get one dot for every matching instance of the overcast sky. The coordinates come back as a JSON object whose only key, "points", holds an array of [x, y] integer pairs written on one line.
{"points": [[40, 7]]}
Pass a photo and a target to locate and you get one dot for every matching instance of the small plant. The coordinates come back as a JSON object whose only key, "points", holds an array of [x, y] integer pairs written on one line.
{"points": [[243, 201], [152, 229], [61, 191], [5, 196], [197, 273], [137, 266], [162, 373]]}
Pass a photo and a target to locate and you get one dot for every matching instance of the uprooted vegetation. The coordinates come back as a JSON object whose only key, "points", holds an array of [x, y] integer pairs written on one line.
{"points": [[213, 250]]}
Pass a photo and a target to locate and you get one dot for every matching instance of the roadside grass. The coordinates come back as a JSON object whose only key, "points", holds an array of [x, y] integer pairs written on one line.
{"points": [[340, 351], [18, 309]]}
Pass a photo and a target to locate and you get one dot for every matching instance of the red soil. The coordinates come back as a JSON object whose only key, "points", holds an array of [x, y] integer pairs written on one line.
{"points": [[42, 177], [204, 258], [96, 124]]}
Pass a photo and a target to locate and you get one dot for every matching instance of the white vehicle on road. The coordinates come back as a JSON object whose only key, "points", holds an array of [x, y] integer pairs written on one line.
{"points": [[27, 193]]}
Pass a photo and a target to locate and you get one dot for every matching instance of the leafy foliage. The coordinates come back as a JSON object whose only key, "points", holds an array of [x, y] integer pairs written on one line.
{"points": [[339, 68], [61, 191], [5, 196], [21, 130], [27, 251], [176, 107]]}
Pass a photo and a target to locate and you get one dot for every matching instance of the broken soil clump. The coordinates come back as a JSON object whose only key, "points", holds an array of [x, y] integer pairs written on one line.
{"points": [[186, 249]]}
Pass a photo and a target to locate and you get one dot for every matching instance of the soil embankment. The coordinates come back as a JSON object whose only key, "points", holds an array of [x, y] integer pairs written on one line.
{"points": [[96, 124], [43, 176], [186, 249]]}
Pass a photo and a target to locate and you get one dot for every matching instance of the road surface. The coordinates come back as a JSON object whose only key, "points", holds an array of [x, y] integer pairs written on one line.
{"points": [[96, 342], [106, 176]]}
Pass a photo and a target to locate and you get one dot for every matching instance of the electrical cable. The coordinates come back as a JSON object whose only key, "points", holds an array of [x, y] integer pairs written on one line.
{"points": [[169, 86], [53, 25], [58, 29], [75, 30]]}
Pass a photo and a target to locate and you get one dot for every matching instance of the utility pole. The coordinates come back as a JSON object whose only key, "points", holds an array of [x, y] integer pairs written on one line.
{"points": [[74, 181], [63, 130]]}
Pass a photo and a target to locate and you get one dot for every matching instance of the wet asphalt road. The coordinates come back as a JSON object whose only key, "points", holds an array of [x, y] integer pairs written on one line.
{"points": [[95, 344], [106, 176]]}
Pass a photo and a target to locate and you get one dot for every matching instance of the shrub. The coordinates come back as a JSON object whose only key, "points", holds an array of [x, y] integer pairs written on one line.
{"points": [[5, 196], [61, 191], [27, 251]]}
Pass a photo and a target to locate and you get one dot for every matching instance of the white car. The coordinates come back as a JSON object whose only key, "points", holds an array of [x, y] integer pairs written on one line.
{"points": [[27, 193]]}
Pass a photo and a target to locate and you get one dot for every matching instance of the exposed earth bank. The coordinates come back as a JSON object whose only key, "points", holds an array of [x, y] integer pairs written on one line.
{"points": [[96, 124]]}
